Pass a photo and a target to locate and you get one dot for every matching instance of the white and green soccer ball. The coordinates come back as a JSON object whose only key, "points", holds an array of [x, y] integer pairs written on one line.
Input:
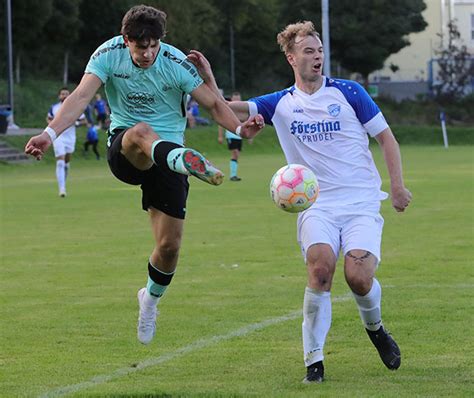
{"points": [[294, 188]]}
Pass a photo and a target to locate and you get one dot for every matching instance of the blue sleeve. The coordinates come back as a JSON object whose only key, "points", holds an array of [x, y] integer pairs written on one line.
{"points": [[266, 104], [364, 106]]}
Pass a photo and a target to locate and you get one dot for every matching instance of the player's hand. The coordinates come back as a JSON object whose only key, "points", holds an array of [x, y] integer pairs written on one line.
{"points": [[202, 64], [401, 198], [38, 145], [252, 126]]}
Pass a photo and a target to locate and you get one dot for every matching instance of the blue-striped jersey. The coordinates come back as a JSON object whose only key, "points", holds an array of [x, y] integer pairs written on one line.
{"points": [[327, 131]]}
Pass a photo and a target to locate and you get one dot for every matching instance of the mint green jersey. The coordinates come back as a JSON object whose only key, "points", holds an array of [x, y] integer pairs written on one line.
{"points": [[156, 95]]}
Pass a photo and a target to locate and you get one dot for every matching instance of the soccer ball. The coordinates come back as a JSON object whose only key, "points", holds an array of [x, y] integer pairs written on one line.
{"points": [[294, 188]]}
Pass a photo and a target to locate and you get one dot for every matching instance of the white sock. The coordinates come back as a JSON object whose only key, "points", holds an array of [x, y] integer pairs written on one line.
{"points": [[175, 161], [61, 175], [316, 324], [369, 307]]}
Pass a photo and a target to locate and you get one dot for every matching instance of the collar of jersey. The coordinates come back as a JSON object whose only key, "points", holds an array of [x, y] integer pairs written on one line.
{"points": [[151, 66], [316, 93]]}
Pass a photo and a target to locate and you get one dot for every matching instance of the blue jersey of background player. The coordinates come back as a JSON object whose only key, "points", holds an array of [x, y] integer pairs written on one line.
{"points": [[92, 139], [101, 110]]}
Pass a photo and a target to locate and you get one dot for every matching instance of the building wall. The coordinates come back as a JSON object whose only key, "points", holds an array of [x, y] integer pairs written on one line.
{"points": [[413, 59]]}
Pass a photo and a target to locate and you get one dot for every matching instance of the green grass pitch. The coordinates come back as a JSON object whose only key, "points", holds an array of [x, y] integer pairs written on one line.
{"points": [[230, 323]]}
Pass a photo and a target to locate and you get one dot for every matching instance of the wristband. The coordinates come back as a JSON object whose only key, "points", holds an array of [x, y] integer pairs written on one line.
{"points": [[237, 130], [52, 134]]}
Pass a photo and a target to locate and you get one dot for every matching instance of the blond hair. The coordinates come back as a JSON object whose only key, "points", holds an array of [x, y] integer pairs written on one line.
{"points": [[287, 37]]}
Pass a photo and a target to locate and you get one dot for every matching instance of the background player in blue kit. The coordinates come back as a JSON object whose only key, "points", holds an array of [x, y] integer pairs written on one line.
{"points": [[92, 139], [101, 111], [147, 82], [323, 124]]}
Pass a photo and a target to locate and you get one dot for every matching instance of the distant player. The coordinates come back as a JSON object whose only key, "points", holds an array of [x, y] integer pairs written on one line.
{"points": [[101, 111], [234, 144], [92, 139], [324, 124], [65, 145], [147, 82]]}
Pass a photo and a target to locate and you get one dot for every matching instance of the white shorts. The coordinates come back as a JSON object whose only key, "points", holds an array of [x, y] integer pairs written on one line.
{"points": [[65, 143], [351, 227]]}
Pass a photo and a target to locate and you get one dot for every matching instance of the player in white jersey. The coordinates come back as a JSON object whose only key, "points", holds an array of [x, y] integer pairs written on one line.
{"points": [[147, 82], [64, 146], [323, 123]]}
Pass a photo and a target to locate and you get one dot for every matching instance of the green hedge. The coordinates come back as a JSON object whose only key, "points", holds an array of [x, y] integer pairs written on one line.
{"points": [[432, 135]]}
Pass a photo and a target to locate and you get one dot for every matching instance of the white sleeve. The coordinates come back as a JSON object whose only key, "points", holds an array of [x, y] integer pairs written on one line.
{"points": [[253, 110], [376, 125]]}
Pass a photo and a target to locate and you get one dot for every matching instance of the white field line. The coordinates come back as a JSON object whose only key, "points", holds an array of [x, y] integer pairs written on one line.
{"points": [[197, 345]]}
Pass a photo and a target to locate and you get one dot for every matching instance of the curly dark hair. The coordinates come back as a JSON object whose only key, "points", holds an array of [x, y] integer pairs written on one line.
{"points": [[144, 23]]}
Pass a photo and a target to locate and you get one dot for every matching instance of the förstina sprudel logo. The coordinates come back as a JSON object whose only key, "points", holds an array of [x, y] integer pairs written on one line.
{"points": [[316, 131]]}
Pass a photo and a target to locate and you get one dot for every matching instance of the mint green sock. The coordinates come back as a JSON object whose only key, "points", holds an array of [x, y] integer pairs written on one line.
{"points": [[233, 168], [155, 289], [170, 154], [175, 161]]}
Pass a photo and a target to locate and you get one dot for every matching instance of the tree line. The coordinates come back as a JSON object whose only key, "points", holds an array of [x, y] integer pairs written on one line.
{"points": [[53, 39]]}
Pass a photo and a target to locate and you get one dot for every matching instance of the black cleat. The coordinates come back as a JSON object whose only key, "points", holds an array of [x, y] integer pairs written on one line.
{"points": [[387, 347], [315, 373]]}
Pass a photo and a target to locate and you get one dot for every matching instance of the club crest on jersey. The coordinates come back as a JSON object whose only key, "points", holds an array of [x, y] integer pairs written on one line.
{"points": [[334, 109]]}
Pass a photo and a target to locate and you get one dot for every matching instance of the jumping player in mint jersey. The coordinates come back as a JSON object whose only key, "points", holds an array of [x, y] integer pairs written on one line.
{"points": [[324, 124], [146, 82]]}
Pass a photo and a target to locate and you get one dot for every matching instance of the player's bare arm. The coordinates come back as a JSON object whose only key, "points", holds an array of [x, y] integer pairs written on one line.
{"points": [[76, 102], [71, 109], [240, 109], [223, 115], [401, 196], [204, 68]]}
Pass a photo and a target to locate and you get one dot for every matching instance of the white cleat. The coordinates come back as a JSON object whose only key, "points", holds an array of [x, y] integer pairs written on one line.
{"points": [[62, 193], [146, 319]]}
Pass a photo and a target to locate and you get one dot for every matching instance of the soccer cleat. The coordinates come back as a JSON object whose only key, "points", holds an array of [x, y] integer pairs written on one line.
{"points": [[387, 347], [62, 193], [235, 178], [146, 319], [314, 373], [198, 166]]}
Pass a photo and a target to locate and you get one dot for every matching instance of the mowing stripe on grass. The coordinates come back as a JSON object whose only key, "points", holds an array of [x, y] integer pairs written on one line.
{"points": [[197, 345]]}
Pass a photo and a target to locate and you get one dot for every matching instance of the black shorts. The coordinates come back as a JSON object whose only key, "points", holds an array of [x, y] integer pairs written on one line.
{"points": [[233, 143], [162, 188]]}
